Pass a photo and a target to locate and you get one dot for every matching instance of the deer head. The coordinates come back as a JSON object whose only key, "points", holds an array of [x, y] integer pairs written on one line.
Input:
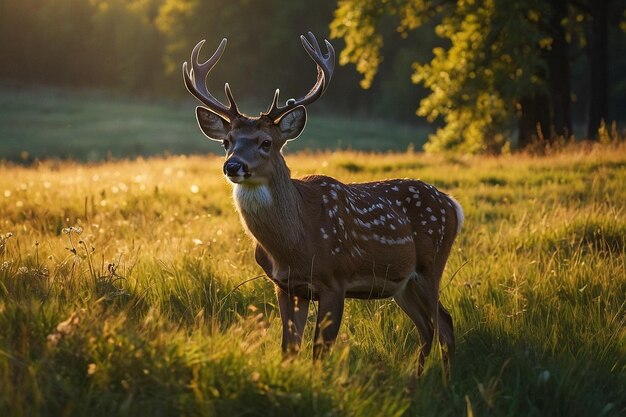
{"points": [[253, 144]]}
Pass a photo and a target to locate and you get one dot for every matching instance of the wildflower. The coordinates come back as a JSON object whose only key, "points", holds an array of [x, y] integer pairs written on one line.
{"points": [[72, 229], [91, 369], [65, 328], [53, 339]]}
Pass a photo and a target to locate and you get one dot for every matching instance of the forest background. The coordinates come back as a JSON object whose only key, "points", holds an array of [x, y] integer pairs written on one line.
{"points": [[480, 75]]}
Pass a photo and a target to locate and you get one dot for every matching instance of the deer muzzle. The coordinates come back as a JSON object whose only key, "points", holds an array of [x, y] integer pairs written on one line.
{"points": [[236, 170]]}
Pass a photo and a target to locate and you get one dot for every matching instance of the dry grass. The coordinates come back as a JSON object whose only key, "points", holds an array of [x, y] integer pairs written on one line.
{"points": [[135, 315]]}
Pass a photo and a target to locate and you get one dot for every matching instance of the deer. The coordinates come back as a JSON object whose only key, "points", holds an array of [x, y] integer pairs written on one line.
{"points": [[321, 240]]}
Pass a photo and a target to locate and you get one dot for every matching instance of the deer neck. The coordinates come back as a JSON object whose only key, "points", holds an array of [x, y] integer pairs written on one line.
{"points": [[272, 212]]}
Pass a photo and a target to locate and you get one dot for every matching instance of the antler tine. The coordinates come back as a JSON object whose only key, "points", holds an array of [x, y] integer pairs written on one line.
{"points": [[327, 60], [325, 67], [195, 81]]}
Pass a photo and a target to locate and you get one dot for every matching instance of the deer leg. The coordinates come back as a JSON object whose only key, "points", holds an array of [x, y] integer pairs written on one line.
{"points": [[446, 334], [420, 306], [293, 314], [330, 312]]}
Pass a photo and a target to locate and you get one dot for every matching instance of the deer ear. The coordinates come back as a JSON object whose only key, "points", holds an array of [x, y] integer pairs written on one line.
{"points": [[214, 126], [292, 123]]}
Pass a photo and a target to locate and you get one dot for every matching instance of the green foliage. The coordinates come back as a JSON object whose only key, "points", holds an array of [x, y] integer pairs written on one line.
{"points": [[95, 42], [494, 55], [359, 23], [119, 294], [356, 22], [124, 33], [476, 83], [139, 45], [476, 80]]}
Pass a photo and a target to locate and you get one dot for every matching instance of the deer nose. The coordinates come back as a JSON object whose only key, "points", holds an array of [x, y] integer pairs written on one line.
{"points": [[234, 167]]}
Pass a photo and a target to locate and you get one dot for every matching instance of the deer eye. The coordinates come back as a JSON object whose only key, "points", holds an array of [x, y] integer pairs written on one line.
{"points": [[226, 144], [266, 145]]}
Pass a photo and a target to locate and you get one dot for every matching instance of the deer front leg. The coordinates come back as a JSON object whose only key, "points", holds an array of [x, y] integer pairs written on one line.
{"points": [[329, 316], [293, 314]]}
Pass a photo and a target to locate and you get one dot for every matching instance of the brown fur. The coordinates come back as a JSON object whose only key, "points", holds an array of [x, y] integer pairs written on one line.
{"points": [[323, 240]]}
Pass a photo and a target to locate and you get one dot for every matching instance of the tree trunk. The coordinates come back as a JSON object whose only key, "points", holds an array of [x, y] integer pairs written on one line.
{"points": [[598, 63], [559, 72], [533, 118], [543, 116]]}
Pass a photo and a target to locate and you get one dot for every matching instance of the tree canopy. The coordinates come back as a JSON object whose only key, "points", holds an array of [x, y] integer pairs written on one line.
{"points": [[482, 71], [498, 60]]}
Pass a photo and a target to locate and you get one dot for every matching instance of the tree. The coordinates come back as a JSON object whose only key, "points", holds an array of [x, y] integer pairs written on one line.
{"points": [[500, 61], [598, 58]]}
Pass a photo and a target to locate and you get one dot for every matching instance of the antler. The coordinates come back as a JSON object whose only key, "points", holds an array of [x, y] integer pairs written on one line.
{"points": [[195, 81], [325, 67]]}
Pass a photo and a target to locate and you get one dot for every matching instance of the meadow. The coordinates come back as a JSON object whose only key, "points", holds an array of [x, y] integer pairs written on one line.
{"points": [[91, 125], [130, 288]]}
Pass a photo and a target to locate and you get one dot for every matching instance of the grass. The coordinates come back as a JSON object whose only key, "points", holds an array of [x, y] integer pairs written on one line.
{"points": [[38, 123], [119, 294]]}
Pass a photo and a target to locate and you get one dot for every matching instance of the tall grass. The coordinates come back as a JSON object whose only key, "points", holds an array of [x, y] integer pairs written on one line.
{"points": [[119, 294]]}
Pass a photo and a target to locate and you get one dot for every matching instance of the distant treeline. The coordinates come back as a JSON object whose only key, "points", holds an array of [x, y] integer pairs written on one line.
{"points": [[137, 46]]}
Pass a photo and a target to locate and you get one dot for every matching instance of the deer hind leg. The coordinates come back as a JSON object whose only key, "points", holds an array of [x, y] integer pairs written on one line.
{"points": [[420, 304], [293, 314], [446, 336]]}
